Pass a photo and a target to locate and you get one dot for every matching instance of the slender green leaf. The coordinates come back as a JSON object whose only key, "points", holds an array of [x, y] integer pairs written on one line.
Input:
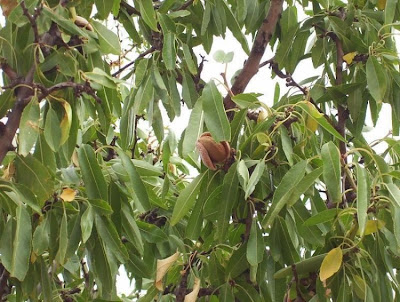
{"points": [[214, 113], [284, 191], [376, 79], [255, 246], [95, 183], [15, 247], [332, 171], [110, 237], [52, 130], [108, 41], [35, 176], [230, 196], [186, 199], [63, 240], [194, 129], [363, 192], [148, 13], [29, 127]]}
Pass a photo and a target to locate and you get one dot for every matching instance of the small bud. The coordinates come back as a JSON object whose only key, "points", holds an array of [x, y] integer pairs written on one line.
{"points": [[211, 152], [83, 23]]}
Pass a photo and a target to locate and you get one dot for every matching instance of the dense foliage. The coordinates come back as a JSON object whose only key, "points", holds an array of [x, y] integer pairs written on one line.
{"points": [[286, 202]]}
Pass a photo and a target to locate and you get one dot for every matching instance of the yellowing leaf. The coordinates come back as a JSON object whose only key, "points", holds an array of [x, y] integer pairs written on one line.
{"points": [[66, 121], [381, 4], [373, 226], [68, 194], [331, 263], [192, 296], [349, 57], [311, 124], [163, 266]]}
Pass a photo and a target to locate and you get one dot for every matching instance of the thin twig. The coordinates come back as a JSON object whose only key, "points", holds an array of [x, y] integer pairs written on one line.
{"points": [[150, 50], [185, 5]]}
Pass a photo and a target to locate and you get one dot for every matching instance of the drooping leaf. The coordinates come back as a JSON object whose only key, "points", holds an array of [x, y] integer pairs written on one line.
{"points": [[15, 247], [108, 41], [214, 113], [331, 263], [332, 171], [186, 199], [283, 192]]}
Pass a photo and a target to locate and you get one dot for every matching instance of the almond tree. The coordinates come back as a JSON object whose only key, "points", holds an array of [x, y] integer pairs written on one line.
{"points": [[258, 200]]}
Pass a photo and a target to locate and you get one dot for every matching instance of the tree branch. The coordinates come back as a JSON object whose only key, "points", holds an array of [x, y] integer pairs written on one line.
{"points": [[4, 289], [251, 66], [130, 9], [150, 50], [185, 5]]}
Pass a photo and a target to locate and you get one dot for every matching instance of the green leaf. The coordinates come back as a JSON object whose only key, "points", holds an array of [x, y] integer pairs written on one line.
{"points": [[110, 237], [45, 282], [254, 178], [95, 183], [283, 192], [169, 51], [52, 130], [320, 119], [226, 293], [376, 79], [63, 240], [32, 174], [332, 171], [189, 60], [230, 195], [237, 264], [15, 244], [108, 41], [255, 246], [101, 207], [131, 229], [234, 27], [194, 129], [363, 192], [394, 193], [214, 113], [104, 8], [100, 77], [87, 221], [151, 233], [29, 127], [247, 100], [148, 14], [41, 238], [221, 57], [321, 217], [136, 185], [186, 199]]}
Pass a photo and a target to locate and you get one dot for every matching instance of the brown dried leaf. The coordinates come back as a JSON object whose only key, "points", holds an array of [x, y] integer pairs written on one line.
{"points": [[163, 266]]}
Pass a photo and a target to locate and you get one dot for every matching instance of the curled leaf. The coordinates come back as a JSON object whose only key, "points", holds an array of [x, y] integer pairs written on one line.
{"points": [[331, 263], [68, 194], [163, 266], [192, 296]]}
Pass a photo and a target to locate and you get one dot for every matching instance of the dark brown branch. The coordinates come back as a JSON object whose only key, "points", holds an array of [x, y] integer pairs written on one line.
{"points": [[150, 50], [79, 89], [185, 5], [251, 66], [10, 73], [32, 19], [4, 289], [130, 9]]}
